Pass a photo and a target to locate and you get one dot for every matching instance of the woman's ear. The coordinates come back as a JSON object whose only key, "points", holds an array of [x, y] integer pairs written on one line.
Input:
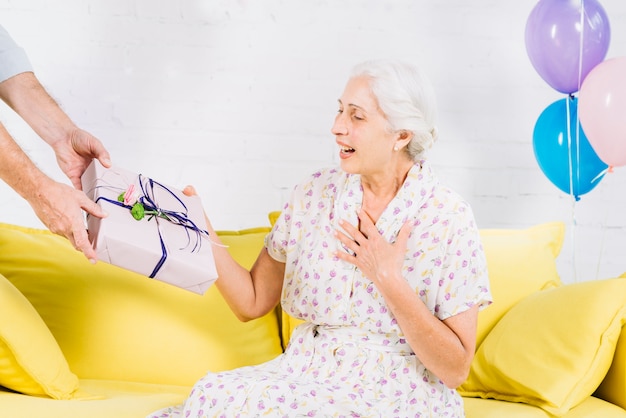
{"points": [[404, 137]]}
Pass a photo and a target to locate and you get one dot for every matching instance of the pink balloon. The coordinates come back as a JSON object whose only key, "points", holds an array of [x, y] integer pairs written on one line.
{"points": [[602, 110]]}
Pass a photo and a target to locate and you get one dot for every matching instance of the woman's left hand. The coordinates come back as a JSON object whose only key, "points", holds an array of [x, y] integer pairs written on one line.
{"points": [[378, 259]]}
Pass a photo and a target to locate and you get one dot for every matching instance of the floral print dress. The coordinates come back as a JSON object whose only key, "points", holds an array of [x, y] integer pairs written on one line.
{"points": [[350, 359]]}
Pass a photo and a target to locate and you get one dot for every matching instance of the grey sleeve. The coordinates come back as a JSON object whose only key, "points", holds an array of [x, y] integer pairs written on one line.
{"points": [[13, 59]]}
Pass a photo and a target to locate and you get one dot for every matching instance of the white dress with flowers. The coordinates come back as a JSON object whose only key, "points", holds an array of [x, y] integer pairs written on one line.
{"points": [[349, 359]]}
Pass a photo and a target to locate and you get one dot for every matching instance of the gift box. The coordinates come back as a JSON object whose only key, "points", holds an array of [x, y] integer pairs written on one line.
{"points": [[151, 228]]}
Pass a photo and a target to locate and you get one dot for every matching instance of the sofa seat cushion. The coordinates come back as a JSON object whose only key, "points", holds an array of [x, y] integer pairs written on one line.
{"points": [[553, 348], [114, 324], [31, 361], [116, 399], [490, 408]]}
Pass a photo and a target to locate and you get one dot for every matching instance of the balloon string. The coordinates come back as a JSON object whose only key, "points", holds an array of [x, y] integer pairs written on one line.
{"points": [[569, 141], [580, 76], [609, 169], [574, 267], [580, 46], [571, 185], [603, 236], [570, 163]]}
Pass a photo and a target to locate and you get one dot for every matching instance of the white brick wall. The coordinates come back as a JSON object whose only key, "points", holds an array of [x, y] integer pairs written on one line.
{"points": [[238, 97]]}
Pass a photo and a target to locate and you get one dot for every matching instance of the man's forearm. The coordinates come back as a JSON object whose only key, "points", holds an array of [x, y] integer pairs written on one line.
{"points": [[27, 97], [17, 170]]}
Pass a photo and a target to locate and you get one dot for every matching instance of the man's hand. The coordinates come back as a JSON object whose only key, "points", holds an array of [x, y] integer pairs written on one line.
{"points": [[59, 206], [75, 154]]}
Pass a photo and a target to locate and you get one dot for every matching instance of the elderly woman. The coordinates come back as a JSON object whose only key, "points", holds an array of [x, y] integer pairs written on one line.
{"points": [[382, 262]]}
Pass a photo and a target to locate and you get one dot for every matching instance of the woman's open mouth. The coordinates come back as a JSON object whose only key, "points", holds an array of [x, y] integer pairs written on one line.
{"points": [[347, 150]]}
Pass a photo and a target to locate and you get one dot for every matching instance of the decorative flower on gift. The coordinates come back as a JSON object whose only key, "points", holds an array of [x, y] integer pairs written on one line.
{"points": [[130, 198]]}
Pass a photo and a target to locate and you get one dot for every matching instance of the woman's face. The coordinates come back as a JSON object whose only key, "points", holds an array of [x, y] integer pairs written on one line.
{"points": [[362, 132]]}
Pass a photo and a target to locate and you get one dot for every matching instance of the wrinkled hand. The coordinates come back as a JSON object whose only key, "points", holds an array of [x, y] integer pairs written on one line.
{"points": [[370, 252], [75, 154], [60, 207]]}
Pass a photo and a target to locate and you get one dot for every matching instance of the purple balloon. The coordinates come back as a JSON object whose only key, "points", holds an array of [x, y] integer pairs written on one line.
{"points": [[553, 41]]}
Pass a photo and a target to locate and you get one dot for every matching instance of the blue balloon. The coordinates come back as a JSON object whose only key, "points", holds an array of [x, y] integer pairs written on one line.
{"points": [[567, 161]]}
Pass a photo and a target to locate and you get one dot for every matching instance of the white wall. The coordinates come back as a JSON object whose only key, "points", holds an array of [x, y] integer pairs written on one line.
{"points": [[238, 96]]}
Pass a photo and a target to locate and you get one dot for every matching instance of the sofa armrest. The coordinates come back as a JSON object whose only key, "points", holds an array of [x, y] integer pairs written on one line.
{"points": [[613, 387]]}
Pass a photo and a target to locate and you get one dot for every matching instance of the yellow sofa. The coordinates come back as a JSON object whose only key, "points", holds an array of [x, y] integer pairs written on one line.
{"points": [[82, 340]]}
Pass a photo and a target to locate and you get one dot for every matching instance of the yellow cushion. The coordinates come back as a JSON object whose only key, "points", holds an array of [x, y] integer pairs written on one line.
{"points": [[613, 387], [519, 262], [115, 324], [487, 408], [31, 361], [553, 348], [273, 217]]}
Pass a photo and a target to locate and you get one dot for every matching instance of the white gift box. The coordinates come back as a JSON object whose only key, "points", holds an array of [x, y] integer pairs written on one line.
{"points": [[170, 243]]}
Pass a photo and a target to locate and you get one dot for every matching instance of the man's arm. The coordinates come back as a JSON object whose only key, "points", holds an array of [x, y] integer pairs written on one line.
{"points": [[74, 147], [58, 205]]}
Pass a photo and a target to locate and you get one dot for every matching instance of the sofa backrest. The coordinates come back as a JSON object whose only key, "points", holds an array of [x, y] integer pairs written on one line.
{"points": [[114, 324]]}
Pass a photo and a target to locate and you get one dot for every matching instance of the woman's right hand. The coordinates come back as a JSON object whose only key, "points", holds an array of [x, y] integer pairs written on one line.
{"points": [[189, 190]]}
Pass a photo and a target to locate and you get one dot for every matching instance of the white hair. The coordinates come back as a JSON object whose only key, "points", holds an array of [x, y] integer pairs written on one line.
{"points": [[406, 98]]}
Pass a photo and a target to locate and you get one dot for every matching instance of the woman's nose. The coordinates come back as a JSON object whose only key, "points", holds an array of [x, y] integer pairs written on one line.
{"points": [[339, 128]]}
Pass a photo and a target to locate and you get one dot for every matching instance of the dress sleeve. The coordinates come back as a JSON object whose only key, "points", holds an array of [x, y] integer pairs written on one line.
{"points": [[276, 242], [13, 59], [297, 213], [279, 240], [464, 281]]}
